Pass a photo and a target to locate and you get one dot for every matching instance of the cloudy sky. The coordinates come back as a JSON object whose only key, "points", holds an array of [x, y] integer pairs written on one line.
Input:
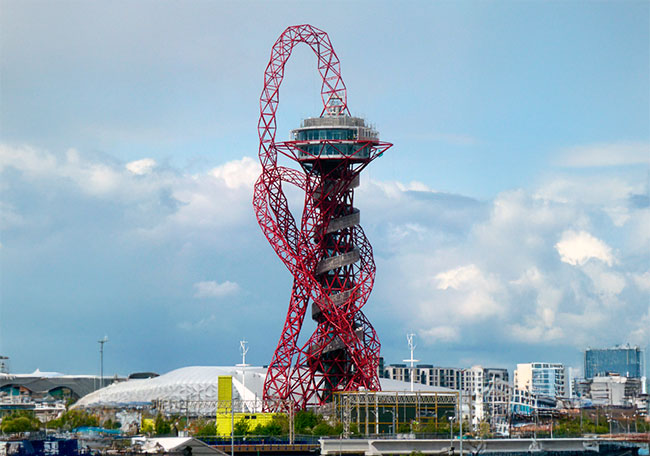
{"points": [[510, 221]]}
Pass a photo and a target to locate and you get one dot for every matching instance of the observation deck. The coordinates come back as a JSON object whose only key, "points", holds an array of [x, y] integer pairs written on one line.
{"points": [[334, 138]]}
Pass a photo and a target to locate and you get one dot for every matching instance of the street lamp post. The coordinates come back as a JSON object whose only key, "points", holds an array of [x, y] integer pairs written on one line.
{"points": [[393, 430], [460, 408], [232, 419], [580, 407], [460, 414]]}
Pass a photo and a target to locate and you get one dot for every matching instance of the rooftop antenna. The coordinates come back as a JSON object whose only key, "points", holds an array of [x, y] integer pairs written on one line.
{"points": [[410, 338], [243, 348]]}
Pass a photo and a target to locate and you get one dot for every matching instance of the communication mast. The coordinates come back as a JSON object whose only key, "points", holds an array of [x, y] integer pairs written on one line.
{"points": [[327, 252], [243, 348], [410, 338]]}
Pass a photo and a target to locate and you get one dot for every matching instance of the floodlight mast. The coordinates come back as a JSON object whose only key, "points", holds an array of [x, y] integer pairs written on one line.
{"points": [[328, 253], [101, 343]]}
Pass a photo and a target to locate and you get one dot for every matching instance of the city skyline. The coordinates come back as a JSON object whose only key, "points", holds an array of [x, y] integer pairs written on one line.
{"points": [[509, 221]]}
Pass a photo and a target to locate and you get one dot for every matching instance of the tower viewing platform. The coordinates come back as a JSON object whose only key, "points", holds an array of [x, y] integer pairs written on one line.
{"points": [[334, 137]]}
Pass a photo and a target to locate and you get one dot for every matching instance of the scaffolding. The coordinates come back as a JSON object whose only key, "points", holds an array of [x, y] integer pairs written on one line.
{"points": [[382, 412]]}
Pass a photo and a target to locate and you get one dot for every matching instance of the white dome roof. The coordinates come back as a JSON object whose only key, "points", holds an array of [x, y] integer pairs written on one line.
{"points": [[196, 383]]}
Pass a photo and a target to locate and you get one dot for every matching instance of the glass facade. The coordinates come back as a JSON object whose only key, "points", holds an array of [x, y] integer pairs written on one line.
{"points": [[625, 361], [334, 150], [326, 133], [548, 380]]}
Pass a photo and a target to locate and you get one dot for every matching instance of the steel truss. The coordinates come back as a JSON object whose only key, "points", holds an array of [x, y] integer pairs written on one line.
{"points": [[328, 253]]}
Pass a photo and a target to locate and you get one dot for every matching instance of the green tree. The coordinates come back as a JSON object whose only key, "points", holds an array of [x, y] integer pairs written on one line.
{"points": [[436, 427], [322, 429], [281, 421], [642, 425], [567, 427], [271, 428], [242, 427], [403, 428], [206, 429], [20, 422], [162, 426], [484, 429], [110, 424], [305, 421], [73, 419]]}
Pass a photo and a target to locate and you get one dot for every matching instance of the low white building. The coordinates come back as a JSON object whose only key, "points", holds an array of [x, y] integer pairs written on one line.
{"points": [[614, 390]]}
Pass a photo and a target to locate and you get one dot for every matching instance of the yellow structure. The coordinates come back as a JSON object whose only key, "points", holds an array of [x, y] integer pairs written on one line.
{"points": [[225, 416]]}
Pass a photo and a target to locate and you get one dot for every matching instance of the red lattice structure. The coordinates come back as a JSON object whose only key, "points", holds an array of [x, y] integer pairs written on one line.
{"points": [[327, 253]]}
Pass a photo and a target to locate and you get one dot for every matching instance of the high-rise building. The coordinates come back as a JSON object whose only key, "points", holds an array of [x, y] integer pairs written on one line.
{"points": [[625, 361], [542, 379]]}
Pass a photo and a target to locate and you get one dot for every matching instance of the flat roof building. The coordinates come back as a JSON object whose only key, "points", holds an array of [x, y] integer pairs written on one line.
{"points": [[625, 360]]}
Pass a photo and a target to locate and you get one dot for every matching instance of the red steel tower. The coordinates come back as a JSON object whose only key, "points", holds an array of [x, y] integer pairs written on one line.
{"points": [[327, 252]]}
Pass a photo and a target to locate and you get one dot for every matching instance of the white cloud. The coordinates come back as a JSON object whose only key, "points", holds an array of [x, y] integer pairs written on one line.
{"points": [[212, 289], [640, 333], [93, 176], [472, 294], [614, 154], [9, 216], [459, 277], [452, 265], [140, 167], [605, 282], [544, 300], [576, 248], [535, 334], [506, 267], [201, 324], [440, 333], [31, 161], [642, 281], [609, 194], [238, 173]]}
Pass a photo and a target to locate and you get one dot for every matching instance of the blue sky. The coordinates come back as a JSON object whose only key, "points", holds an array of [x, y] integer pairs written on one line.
{"points": [[509, 221]]}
